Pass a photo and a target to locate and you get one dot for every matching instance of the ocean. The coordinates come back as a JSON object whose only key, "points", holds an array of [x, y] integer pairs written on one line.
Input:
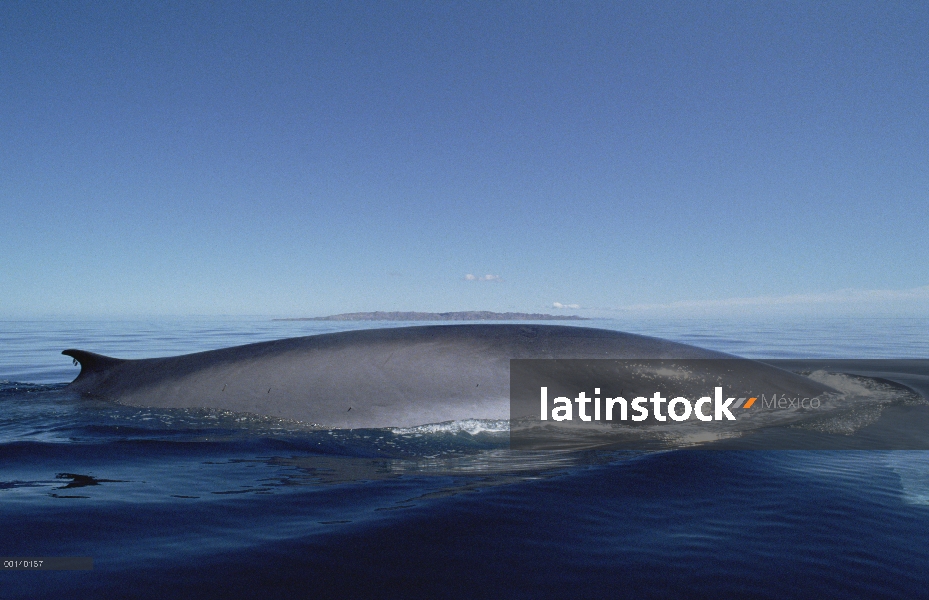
{"points": [[211, 504]]}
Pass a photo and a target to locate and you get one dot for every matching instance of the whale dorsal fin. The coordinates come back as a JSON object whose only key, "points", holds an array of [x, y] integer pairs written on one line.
{"points": [[91, 362]]}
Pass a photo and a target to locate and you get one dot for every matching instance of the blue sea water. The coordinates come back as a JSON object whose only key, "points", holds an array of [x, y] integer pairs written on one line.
{"points": [[182, 503]]}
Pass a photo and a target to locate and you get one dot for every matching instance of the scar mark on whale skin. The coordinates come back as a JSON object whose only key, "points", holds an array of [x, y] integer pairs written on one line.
{"points": [[387, 360]]}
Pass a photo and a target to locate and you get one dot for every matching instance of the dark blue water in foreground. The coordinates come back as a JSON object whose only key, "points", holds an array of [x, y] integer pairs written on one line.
{"points": [[209, 504]]}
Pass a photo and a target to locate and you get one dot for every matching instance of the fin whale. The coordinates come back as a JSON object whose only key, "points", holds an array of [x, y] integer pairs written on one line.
{"points": [[374, 378]]}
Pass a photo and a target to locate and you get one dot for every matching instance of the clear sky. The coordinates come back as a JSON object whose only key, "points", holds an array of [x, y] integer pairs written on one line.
{"points": [[309, 158]]}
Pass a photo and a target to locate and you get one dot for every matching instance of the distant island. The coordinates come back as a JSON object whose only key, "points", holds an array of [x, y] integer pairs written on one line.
{"points": [[466, 315]]}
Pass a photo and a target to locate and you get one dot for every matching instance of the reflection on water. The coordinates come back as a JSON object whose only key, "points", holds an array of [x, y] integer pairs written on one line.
{"points": [[212, 504]]}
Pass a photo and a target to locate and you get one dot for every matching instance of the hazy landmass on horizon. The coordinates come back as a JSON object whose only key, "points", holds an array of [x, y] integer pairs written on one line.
{"points": [[466, 315]]}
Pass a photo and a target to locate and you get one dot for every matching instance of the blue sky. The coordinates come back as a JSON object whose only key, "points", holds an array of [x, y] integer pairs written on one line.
{"points": [[303, 159]]}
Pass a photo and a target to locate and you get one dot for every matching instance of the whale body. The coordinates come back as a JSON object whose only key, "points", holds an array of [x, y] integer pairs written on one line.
{"points": [[375, 378]]}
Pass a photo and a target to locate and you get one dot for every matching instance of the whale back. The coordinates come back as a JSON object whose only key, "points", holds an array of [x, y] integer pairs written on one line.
{"points": [[391, 377]]}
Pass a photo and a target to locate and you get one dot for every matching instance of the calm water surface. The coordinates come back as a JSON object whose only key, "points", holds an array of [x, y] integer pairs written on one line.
{"points": [[213, 504]]}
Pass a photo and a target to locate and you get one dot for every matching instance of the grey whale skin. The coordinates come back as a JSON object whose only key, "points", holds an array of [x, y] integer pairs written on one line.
{"points": [[374, 378]]}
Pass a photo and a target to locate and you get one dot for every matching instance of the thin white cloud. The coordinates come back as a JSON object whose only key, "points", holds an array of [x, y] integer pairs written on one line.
{"points": [[837, 297], [560, 305], [472, 277]]}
